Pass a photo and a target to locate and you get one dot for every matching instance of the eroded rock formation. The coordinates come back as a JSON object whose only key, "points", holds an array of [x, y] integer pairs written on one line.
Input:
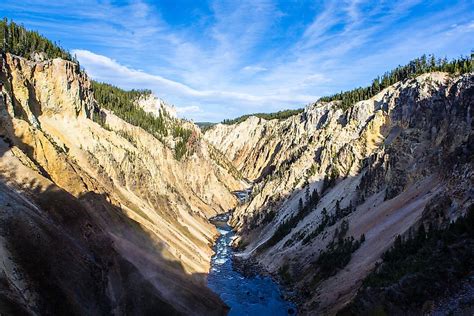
{"points": [[375, 168], [95, 220], [103, 219]]}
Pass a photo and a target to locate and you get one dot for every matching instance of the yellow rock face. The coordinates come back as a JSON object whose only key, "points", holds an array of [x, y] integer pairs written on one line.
{"points": [[150, 209], [387, 156]]}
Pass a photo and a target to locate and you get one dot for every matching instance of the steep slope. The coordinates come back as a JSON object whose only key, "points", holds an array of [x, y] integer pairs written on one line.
{"points": [[333, 188], [99, 220], [153, 104]]}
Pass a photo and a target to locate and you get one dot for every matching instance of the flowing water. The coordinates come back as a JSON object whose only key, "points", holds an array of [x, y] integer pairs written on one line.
{"points": [[244, 295]]}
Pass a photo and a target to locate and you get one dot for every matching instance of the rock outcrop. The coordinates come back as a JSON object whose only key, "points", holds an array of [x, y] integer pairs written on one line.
{"points": [[99, 220], [104, 219], [376, 168], [152, 104]]}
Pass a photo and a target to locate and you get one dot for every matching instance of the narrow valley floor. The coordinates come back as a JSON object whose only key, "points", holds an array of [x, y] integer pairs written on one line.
{"points": [[245, 296]]}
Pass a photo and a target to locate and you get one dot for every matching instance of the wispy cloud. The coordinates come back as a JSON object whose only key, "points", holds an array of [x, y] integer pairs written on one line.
{"points": [[105, 69], [253, 69], [220, 59], [188, 109]]}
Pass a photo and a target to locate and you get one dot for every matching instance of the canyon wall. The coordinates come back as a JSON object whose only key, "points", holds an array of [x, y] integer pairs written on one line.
{"points": [[99, 216], [99, 219], [357, 177]]}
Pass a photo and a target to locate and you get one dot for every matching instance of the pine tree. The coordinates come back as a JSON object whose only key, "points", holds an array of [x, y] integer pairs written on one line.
{"points": [[414, 68], [314, 198], [338, 209], [17, 40]]}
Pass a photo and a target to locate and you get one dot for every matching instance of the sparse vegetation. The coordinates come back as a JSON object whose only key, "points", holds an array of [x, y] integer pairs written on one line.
{"points": [[259, 219], [286, 227], [329, 220], [180, 149], [337, 254], [421, 250], [127, 136], [222, 161], [329, 180], [312, 170], [122, 103], [280, 115], [418, 268], [414, 68]]}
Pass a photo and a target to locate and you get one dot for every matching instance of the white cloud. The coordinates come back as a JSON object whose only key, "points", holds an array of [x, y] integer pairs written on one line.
{"points": [[253, 69], [188, 109], [238, 57], [316, 78], [105, 69]]}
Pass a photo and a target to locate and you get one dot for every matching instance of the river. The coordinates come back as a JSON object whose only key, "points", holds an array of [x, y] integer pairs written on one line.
{"points": [[244, 295]]}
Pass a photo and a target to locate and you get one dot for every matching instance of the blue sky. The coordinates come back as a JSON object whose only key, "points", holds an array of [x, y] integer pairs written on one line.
{"points": [[221, 59]]}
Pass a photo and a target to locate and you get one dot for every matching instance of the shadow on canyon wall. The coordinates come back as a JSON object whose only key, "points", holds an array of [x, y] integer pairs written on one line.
{"points": [[83, 255], [441, 125]]}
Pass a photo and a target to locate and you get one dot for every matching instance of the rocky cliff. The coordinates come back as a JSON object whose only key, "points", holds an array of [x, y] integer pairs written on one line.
{"points": [[99, 219], [153, 104], [99, 216], [334, 188]]}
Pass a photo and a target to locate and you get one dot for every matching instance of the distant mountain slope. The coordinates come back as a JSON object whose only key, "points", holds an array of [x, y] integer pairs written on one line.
{"points": [[280, 115]]}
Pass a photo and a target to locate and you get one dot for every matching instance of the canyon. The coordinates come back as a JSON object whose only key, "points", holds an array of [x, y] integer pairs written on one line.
{"points": [[98, 216], [97, 220], [381, 168]]}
